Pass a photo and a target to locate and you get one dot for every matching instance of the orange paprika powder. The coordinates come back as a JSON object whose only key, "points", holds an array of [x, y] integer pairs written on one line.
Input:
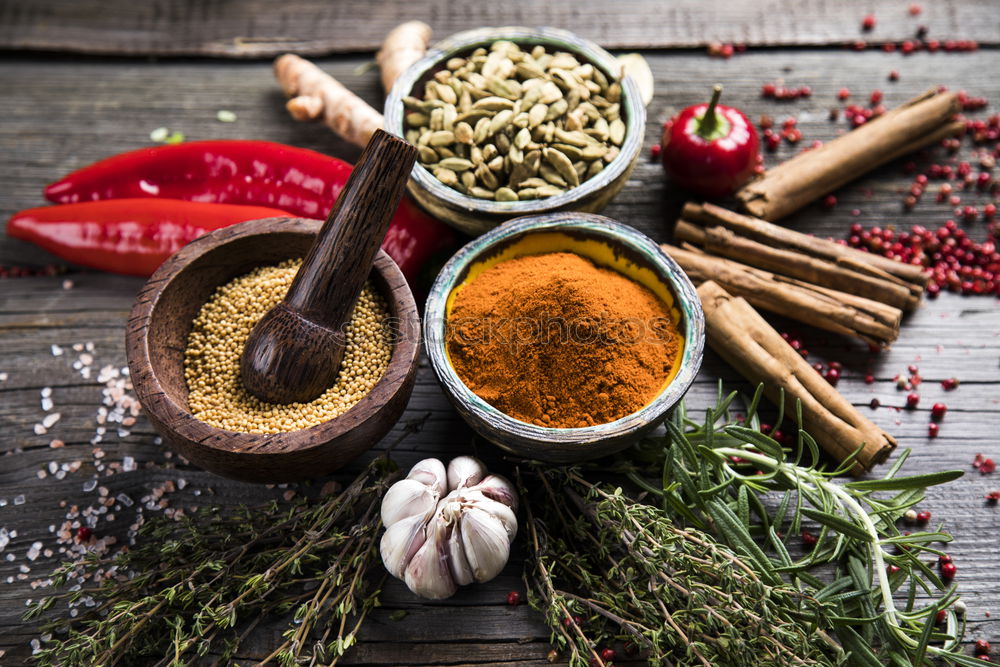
{"points": [[557, 341]]}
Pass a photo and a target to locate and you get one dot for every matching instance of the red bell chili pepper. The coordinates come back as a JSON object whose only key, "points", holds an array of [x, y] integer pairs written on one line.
{"points": [[710, 148], [130, 236], [258, 173]]}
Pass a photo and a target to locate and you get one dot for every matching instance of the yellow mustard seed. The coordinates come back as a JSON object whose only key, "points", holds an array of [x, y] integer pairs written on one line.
{"points": [[218, 334]]}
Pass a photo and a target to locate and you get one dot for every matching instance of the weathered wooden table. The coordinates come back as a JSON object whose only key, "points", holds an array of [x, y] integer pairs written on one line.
{"points": [[61, 111]]}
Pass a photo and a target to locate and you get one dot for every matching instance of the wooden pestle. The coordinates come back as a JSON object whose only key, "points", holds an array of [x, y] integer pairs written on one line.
{"points": [[294, 352]]}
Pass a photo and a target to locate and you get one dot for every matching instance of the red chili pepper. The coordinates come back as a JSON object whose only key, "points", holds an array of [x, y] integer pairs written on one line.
{"points": [[131, 236], [710, 148], [256, 173]]}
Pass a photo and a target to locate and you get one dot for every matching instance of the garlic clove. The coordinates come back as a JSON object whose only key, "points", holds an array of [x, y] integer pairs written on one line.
{"points": [[499, 488], [475, 498], [486, 544], [460, 568], [464, 471], [432, 473], [406, 498], [401, 542], [428, 574]]}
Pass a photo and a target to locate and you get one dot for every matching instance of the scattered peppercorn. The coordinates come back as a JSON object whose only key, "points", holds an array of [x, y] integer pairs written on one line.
{"points": [[912, 399], [938, 410], [513, 598], [607, 654], [948, 571], [932, 430], [923, 517], [982, 647], [868, 22], [808, 539]]}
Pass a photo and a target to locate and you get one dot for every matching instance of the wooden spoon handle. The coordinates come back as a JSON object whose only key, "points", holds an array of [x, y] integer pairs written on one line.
{"points": [[333, 273]]}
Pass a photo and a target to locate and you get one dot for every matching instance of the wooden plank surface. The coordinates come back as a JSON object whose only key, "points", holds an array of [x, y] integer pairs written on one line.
{"points": [[64, 113], [261, 28]]}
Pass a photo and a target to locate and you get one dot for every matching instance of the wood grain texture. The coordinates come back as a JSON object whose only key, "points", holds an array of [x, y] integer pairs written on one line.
{"points": [[258, 28], [95, 108]]}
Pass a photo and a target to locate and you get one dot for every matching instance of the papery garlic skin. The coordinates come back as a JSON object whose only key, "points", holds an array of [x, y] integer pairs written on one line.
{"points": [[498, 488], [486, 543], [407, 498], [465, 471], [432, 473], [401, 542], [448, 527], [428, 573]]}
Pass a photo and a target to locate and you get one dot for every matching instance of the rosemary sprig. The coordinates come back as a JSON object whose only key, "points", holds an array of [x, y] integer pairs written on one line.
{"points": [[201, 585], [741, 485]]}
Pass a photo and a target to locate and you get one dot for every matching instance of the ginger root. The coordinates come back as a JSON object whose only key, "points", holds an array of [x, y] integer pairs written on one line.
{"points": [[403, 46], [316, 94]]}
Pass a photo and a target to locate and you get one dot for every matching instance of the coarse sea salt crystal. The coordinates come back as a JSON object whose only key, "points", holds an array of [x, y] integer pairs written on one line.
{"points": [[51, 419], [47, 404], [3, 377], [56, 351], [40, 430], [89, 485], [128, 464], [53, 467], [18, 500], [46, 392]]}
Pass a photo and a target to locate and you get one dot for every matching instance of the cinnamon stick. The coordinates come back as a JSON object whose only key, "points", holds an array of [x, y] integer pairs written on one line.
{"points": [[842, 313], [740, 335], [724, 243], [782, 237], [807, 176]]}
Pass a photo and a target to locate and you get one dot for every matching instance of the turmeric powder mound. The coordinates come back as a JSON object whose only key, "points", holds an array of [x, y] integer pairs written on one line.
{"points": [[556, 341]]}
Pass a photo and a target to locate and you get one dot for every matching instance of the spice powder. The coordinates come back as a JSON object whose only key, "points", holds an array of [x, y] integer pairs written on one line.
{"points": [[557, 341], [220, 331]]}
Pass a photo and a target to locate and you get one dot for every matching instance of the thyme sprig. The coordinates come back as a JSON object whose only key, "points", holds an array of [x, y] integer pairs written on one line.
{"points": [[752, 494], [604, 565], [200, 586]]}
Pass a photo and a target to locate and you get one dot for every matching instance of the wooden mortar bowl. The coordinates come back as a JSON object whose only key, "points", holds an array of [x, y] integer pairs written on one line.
{"points": [[156, 339]]}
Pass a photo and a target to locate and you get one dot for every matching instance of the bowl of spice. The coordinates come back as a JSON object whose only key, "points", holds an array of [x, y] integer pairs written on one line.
{"points": [[563, 337], [187, 332], [516, 121]]}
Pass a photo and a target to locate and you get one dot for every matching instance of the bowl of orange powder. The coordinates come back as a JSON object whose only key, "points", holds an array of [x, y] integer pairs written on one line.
{"points": [[563, 337]]}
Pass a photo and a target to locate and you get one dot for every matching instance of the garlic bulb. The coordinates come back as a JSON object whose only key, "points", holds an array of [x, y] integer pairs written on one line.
{"points": [[447, 528]]}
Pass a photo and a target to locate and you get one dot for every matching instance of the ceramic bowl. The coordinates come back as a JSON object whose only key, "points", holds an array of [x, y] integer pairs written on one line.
{"points": [[156, 338], [609, 244], [475, 216]]}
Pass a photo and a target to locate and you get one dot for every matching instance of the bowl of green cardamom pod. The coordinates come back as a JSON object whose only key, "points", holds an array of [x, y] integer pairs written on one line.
{"points": [[516, 121]]}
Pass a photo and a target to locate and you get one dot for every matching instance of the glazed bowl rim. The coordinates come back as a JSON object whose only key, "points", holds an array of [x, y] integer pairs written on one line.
{"points": [[612, 232], [633, 113]]}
